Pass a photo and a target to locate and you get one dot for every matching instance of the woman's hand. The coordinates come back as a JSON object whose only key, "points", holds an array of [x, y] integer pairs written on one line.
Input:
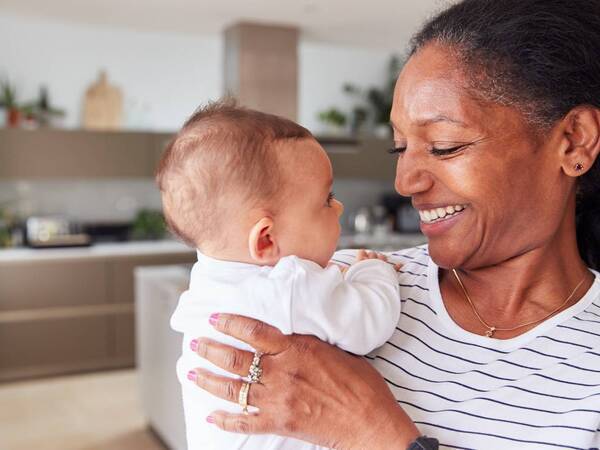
{"points": [[309, 390]]}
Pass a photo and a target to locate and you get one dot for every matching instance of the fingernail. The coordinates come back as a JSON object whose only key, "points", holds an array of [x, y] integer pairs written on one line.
{"points": [[192, 375], [210, 419], [213, 319], [194, 345]]}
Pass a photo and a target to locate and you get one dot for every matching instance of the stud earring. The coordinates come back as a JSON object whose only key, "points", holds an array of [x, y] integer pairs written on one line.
{"points": [[578, 167]]}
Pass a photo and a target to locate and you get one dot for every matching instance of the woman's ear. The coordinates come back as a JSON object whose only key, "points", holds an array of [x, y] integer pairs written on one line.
{"points": [[582, 130], [262, 243]]}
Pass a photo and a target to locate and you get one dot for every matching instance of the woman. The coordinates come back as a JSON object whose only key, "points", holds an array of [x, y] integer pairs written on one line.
{"points": [[496, 120]]}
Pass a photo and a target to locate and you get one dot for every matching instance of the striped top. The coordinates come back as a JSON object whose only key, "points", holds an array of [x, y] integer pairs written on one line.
{"points": [[539, 390]]}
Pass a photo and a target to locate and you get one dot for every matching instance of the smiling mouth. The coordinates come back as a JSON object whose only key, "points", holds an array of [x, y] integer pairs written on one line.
{"points": [[438, 214]]}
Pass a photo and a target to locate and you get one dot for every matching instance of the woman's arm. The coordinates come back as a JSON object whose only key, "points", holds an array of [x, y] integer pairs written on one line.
{"points": [[309, 390]]}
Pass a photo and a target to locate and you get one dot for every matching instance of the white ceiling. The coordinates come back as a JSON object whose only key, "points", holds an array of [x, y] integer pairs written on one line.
{"points": [[373, 23]]}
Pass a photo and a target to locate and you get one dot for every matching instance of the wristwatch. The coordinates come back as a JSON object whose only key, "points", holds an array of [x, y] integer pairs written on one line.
{"points": [[424, 443]]}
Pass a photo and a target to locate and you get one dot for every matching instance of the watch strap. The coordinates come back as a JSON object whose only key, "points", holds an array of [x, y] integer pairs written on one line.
{"points": [[424, 443]]}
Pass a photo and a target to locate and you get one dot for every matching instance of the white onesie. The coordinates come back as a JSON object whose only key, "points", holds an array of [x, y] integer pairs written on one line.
{"points": [[356, 311]]}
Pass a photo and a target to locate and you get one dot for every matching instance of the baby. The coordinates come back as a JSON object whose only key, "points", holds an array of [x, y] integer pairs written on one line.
{"points": [[252, 192]]}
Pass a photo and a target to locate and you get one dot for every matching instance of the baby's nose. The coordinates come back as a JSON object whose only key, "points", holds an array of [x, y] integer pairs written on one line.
{"points": [[340, 207]]}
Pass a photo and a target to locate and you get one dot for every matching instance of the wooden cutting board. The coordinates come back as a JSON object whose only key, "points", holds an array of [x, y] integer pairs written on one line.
{"points": [[103, 105]]}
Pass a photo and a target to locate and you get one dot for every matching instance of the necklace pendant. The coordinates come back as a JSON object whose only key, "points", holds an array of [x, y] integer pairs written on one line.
{"points": [[490, 332]]}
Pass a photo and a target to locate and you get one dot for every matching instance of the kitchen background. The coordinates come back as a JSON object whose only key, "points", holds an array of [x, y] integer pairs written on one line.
{"points": [[89, 95]]}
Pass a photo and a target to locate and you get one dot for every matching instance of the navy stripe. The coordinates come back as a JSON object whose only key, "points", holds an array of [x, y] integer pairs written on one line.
{"points": [[586, 320], [438, 351], [527, 349], [428, 380], [589, 312], [464, 359], [577, 329], [564, 342], [339, 261], [490, 375], [423, 304], [563, 381], [454, 340], [410, 262], [452, 446], [412, 273], [403, 255], [446, 370], [499, 436], [580, 368], [529, 408], [495, 419], [413, 285], [484, 390]]}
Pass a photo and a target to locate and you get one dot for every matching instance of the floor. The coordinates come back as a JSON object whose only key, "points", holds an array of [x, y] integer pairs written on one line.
{"points": [[98, 411]]}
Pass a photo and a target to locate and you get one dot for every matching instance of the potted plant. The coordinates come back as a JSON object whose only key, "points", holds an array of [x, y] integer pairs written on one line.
{"points": [[334, 119], [8, 101], [377, 101], [148, 225], [40, 111]]}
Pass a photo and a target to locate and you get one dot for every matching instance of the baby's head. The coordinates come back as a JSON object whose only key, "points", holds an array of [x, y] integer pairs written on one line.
{"points": [[246, 186]]}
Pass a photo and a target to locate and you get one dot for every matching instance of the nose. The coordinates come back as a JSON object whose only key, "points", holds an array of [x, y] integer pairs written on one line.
{"points": [[339, 207], [412, 174]]}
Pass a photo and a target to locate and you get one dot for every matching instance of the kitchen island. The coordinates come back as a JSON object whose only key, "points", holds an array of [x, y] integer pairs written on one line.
{"points": [[68, 310]]}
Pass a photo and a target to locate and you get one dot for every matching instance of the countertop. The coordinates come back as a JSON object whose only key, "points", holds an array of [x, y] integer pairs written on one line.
{"points": [[103, 250], [385, 242]]}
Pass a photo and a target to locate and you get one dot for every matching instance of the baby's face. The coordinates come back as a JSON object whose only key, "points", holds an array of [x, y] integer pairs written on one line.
{"points": [[309, 223]]}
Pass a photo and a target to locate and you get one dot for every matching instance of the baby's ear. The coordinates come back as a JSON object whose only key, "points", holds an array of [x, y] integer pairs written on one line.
{"points": [[262, 244]]}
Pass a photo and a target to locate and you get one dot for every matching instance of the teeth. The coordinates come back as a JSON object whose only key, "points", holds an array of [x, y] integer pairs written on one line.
{"points": [[431, 215]]}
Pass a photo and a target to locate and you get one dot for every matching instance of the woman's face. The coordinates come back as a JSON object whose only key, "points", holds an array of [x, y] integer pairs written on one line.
{"points": [[460, 152]]}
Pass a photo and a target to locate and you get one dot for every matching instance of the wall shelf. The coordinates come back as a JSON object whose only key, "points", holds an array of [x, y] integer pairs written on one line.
{"points": [[81, 154]]}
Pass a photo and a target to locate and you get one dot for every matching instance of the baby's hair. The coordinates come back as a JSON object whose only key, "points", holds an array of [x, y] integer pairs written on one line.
{"points": [[222, 151]]}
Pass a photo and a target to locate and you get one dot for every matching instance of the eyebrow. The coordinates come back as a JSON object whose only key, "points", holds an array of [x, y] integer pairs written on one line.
{"points": [[435, 119]]}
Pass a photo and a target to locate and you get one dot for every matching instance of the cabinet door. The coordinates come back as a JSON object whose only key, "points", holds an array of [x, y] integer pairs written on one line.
{"points": [[54, 153], [42, 346], [45, 284], [121, 276]]}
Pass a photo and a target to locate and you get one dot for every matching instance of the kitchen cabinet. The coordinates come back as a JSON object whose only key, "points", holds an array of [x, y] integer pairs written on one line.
{"points": [[55, 153], [70, 314], [59, 154]]}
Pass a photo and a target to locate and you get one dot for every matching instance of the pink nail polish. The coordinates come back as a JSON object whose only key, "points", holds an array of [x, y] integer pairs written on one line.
{"points": [[192, 375], [210, 419], [213, 319], [194, 345]]}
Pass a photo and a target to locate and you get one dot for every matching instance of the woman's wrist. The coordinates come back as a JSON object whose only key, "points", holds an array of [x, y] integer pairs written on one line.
{"points": [[390, 428]]}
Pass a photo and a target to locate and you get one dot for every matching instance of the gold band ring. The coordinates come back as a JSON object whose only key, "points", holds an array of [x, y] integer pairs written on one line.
{"points": [[243, 397]]}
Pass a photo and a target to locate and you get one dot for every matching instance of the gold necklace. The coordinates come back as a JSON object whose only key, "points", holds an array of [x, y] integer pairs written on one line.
{"points": [[490, 329]]}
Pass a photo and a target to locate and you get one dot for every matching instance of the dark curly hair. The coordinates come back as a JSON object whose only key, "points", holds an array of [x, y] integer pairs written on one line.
{"points": [[540, 56]]}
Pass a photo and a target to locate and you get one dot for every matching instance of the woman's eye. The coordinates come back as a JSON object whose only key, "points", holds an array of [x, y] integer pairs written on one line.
{"points": [[446, 151], [395, 150], [330, 197]]}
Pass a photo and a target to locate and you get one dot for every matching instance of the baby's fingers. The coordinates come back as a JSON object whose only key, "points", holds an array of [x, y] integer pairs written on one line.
{"points": [[362, 255]]}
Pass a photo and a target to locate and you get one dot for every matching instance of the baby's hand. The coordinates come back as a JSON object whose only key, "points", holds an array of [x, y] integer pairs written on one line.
{"points": [[369, 254]]}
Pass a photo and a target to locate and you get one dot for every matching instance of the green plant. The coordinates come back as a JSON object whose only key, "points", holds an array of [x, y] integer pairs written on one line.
{"points": [[6, 224], [333, 116], [8, 95], [378, 100], [148, 224]]}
